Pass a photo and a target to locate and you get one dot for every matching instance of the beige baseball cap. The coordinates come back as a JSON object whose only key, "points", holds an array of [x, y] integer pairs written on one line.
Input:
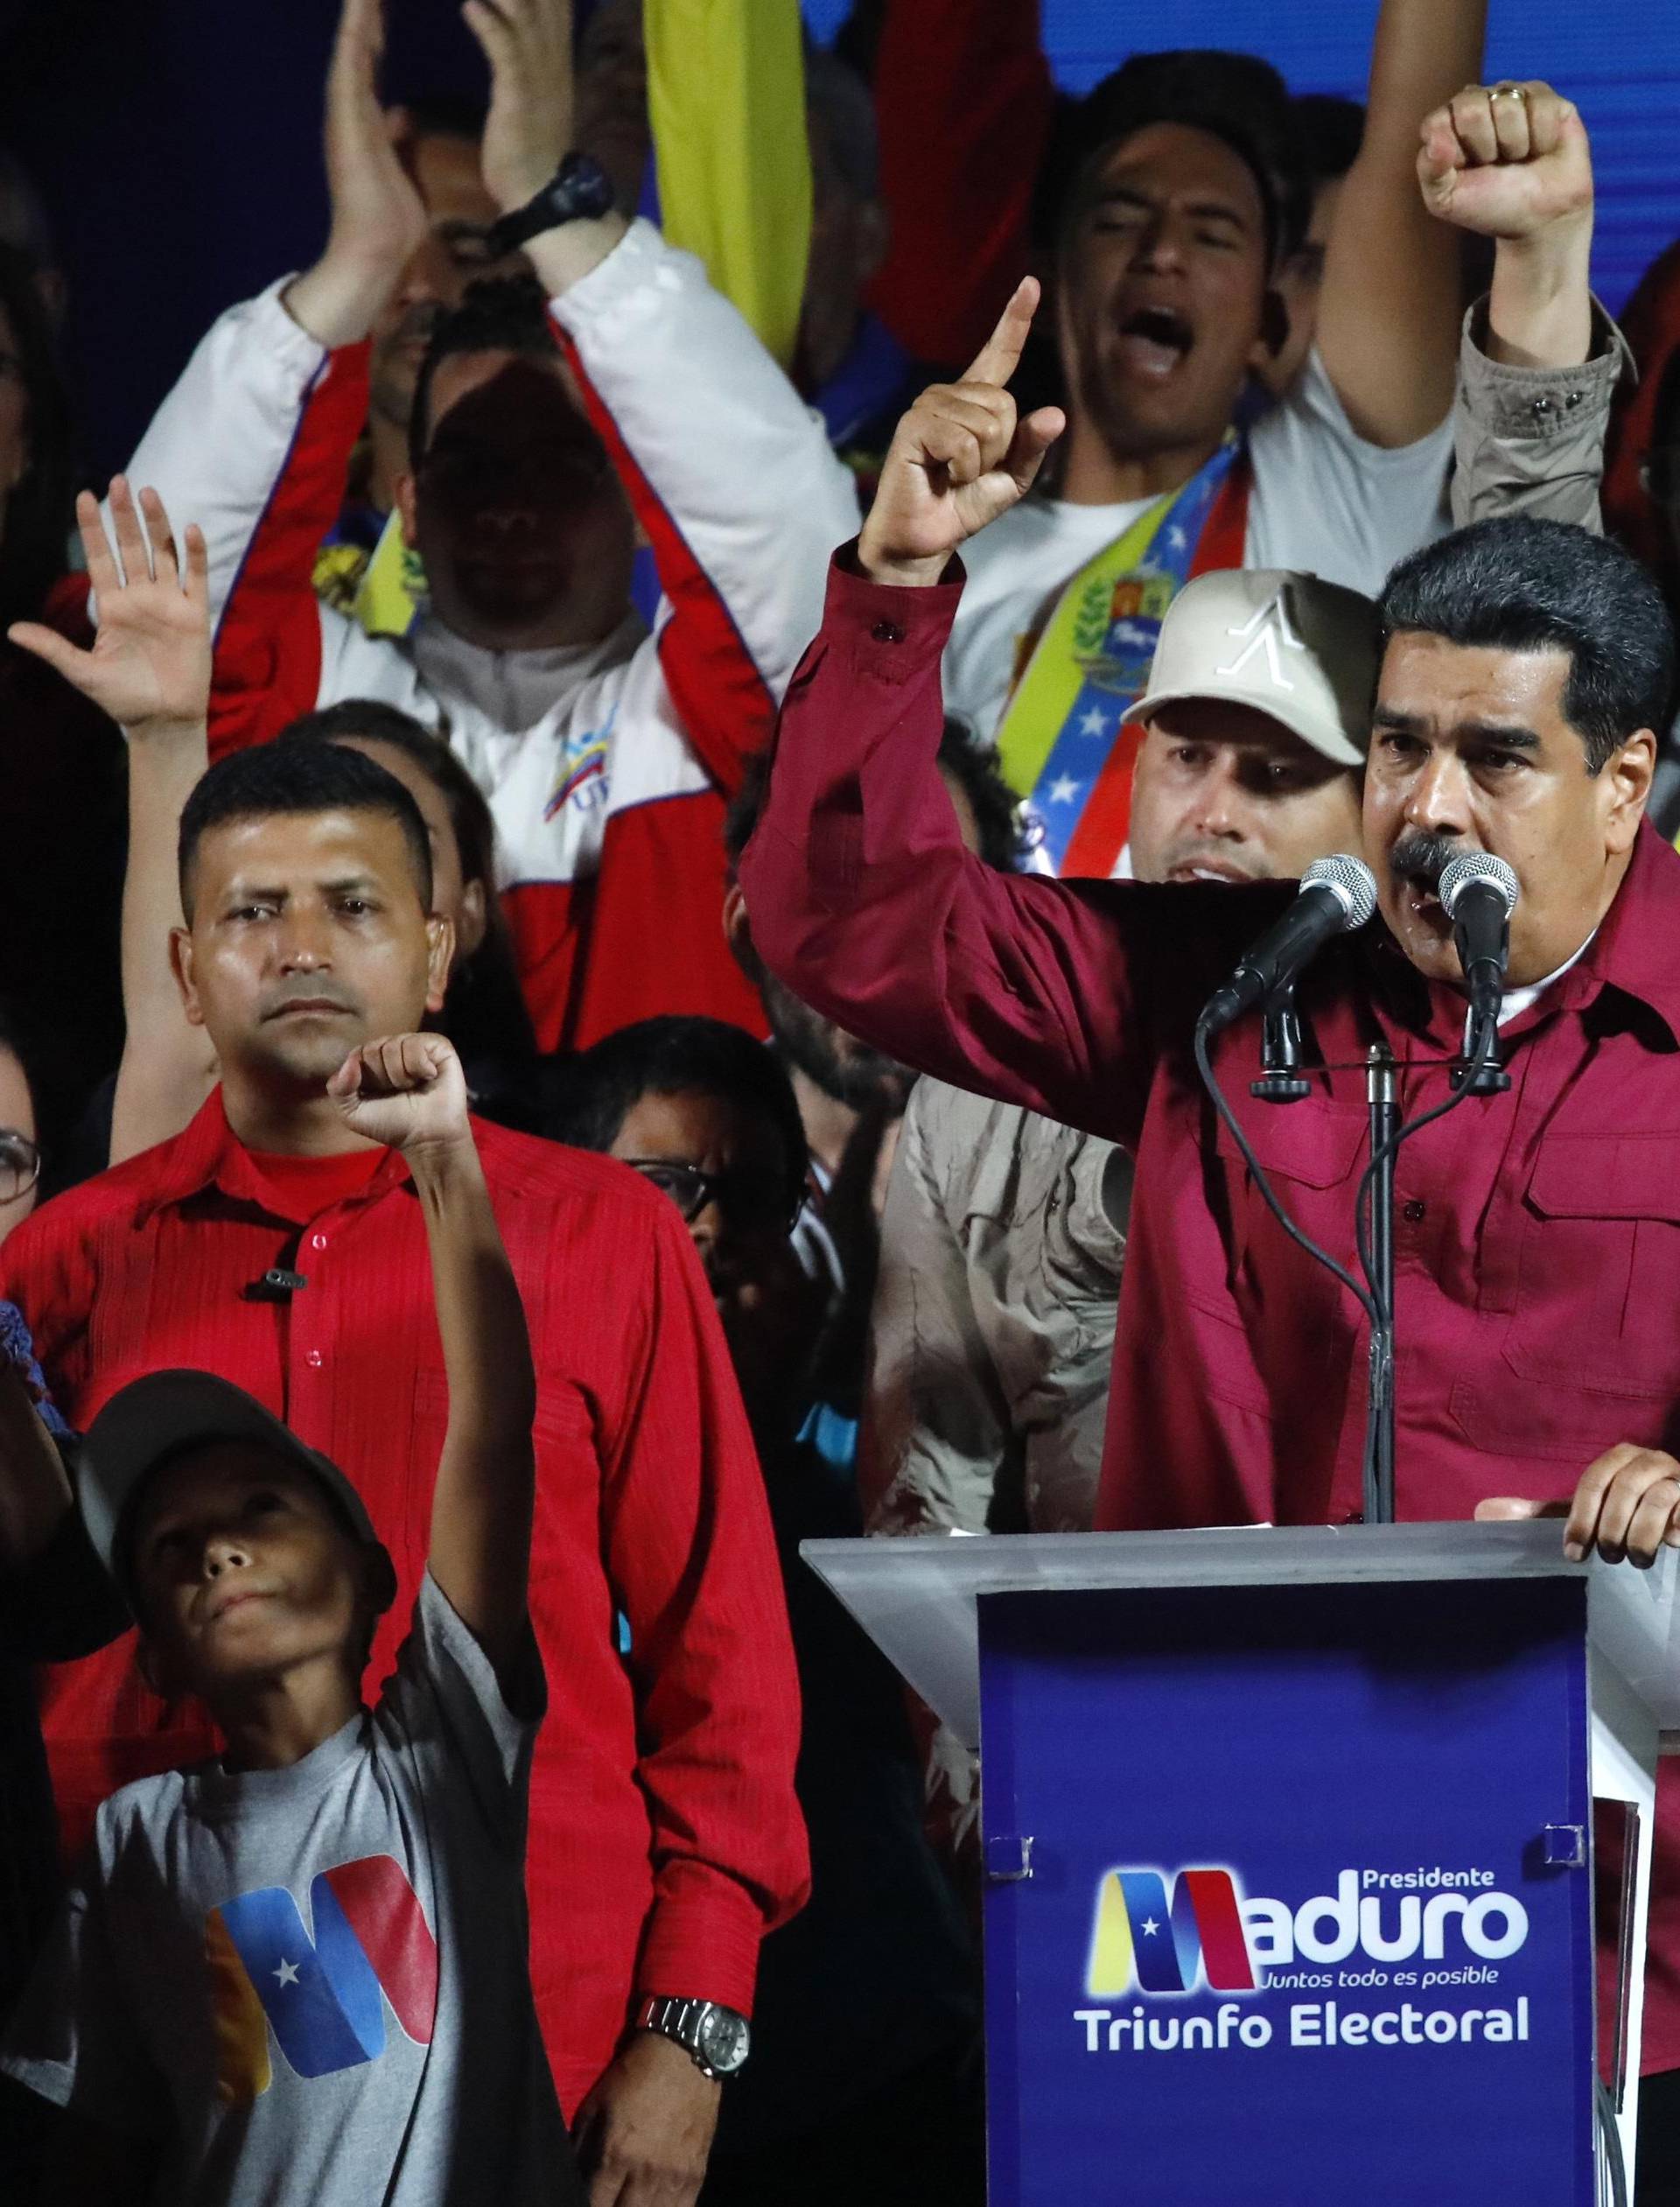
{"points": [[1303, 651]]}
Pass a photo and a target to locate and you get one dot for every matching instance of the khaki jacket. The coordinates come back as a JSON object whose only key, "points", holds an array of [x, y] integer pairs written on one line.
{"points": [[1531, 440]]}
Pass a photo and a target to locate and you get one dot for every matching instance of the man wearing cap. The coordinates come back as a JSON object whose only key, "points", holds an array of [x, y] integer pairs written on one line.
{"points": [[1005, 1232], [1525, 667]]}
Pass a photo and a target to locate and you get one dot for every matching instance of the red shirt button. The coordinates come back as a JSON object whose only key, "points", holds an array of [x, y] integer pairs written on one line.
{"points": [[887, 632], [312, 1358]]}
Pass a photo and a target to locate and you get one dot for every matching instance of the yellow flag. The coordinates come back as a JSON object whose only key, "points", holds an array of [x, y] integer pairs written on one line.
{"points": [[727, 98]]}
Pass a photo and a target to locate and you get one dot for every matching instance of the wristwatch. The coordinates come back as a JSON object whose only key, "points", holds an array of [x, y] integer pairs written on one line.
{"points": [[715, 2039], [579, 190]]}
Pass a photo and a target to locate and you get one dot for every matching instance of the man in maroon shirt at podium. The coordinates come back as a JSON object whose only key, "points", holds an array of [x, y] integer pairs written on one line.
{"points": [[1537, 1231]]}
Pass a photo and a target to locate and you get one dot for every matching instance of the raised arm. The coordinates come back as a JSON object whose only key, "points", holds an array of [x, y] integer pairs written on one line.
{"points": [[1540, 360], [1059, 995], [149, 669], [255, 439], [1511, 162], [965, 100], [731, 476], [1388, 308], [408, 1091]]}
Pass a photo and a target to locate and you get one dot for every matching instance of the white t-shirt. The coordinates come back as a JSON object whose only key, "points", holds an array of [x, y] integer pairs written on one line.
{"points": [[1324, 502]]}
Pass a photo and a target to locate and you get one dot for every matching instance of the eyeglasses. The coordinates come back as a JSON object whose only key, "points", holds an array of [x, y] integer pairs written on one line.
{"points": [[20, 1164], [745, 1195]]}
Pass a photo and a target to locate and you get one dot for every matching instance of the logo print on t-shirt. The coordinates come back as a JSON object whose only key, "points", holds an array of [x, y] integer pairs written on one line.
{"points": [[323, 1996]]}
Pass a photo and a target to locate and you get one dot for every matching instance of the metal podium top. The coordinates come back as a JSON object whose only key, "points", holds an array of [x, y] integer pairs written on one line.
{"points": [[916, 1597]]}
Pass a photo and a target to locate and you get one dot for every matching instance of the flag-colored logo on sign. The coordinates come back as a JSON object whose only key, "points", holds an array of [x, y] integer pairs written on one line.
{"points": [[1142, 1938], [323, 1992]]}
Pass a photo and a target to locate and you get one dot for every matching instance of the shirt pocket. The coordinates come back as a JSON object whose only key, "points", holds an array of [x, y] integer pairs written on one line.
{"points": [[1591, 1353], [1598, 1294], [1303, 1149], [1280, 1313], [566, 1507]]}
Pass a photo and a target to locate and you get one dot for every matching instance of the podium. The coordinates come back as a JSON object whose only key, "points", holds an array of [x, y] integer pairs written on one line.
{"points": [[1316, 1859]]}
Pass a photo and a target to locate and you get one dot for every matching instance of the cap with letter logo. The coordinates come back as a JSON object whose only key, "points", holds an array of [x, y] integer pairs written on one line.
{"points": [[1302, 651]]}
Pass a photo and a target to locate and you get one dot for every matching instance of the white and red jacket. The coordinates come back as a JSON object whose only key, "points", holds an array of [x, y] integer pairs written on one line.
{"points": [[607, 767]]}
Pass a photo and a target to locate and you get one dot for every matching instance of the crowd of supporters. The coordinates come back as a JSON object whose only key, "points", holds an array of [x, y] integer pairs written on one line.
{"points": [[381, 957]]}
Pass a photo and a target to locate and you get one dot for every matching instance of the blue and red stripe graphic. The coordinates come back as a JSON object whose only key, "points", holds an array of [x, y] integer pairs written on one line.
{"points": [[1158, 1943], [324, 1992]]}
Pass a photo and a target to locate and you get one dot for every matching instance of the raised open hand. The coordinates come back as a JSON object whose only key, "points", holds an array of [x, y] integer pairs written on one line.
{"points": [[379, 219], [1507, 161], [378, 216], [527, 132], [406, 1091], [959, 458], [149, 665]]}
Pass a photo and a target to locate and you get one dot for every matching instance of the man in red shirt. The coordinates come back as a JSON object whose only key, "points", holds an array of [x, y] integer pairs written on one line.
{"points": [[271, 1245], [1538, 1241]]}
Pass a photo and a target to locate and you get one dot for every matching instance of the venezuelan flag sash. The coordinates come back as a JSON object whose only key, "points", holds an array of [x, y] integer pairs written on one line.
{"points": [[1061, 746]]}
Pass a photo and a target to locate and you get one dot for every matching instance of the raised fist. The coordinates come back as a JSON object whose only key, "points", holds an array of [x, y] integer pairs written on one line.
{"points": [[1507, 161], [406, 1091]]}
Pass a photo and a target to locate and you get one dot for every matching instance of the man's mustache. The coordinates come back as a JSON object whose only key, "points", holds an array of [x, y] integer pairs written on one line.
{"points": [[317, 995], [1420, 857]]}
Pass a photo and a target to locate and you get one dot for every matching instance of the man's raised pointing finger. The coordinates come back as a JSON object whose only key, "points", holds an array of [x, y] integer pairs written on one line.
{"points": [[999, 356]]}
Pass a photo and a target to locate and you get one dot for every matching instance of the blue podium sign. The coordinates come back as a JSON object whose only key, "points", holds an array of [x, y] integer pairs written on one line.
{"points": [[1303, 1923]]}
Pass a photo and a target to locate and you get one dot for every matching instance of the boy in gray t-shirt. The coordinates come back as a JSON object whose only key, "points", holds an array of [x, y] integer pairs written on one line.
{"points": [[300, 1974]]}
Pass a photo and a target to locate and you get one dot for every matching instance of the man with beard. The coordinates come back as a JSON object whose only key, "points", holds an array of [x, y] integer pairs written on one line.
{"points": [[990, 1408], [540, 434]]}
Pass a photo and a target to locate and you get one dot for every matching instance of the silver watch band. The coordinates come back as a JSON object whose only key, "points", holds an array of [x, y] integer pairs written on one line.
{"points": [[703, 2028]]}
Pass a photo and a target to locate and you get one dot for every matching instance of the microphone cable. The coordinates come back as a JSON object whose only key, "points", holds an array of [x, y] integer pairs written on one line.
{"points": [[1381, 1157], [1210, 1082]]}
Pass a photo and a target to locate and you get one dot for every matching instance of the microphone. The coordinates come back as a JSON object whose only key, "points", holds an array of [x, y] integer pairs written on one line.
{"points": [[1477, 893], [1337, 894], [276, 1286]]}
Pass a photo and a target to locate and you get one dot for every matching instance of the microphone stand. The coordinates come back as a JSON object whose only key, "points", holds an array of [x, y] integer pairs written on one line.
{"points": [[1281, 1080], [1383, 1108], [1476, 1072]]}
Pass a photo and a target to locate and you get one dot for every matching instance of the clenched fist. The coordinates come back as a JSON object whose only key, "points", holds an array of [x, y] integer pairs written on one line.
{"points": [[959, 458], [1507, 161], [406, 1091]]}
